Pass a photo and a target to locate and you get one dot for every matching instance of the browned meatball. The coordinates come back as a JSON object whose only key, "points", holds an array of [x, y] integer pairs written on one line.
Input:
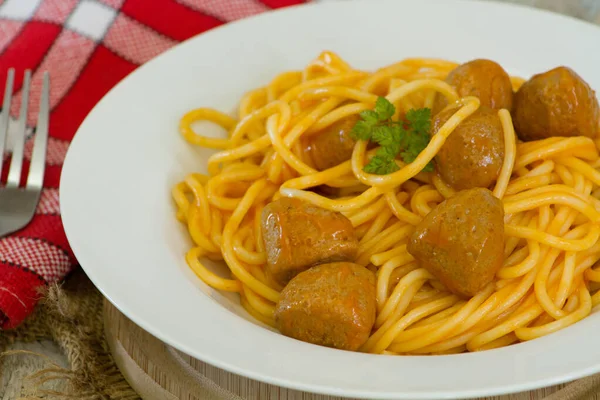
{"points": [[473, 154], [298, 235], [333, 145], [481, 78], [556, 103], [461, 242], [331, 305]]}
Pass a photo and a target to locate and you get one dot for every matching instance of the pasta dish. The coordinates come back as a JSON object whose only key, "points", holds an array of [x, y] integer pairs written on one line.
{"points": [[427, 207]]}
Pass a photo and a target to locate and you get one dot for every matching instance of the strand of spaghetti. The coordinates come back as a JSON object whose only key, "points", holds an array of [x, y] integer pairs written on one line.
{"points": [[367, 213], [377, 225], [381, 258], [544, 168], [216, 228], [227, 247], [542, 283], [254, 313], [410, 170], [585, 307], [458, 340], [282, 109], [565, 174], [510, 243], [420, 201], [524, 266], [583, 147], [410, 318], [399, 211], [510, 153], [258, 303], [582, 167], [534, 145], [251, 101], [596, 299], [425, 295], [229, 204], [592, 275], [228, 285], [552, 240], [181, 200], [430, 99], [396, 305], [258, 235], [424, 62], [398, 301], [519, 294], [567, 199], [544, 217], [401, 272], [441, 186], [386, 242], [282, 146], [566, 280], [236, 153], [405, 102], [411, 87], [355, 203], [518, 255], [201, 202], [435, 320], [247, 256], [393, 229], [510, 325], [338, 114], [205, 114], [195, 229], [491, 303], [370, 84], [338, 91], [284, 80], [554, 188], [449, 326], [383, 275], [347, 77]]}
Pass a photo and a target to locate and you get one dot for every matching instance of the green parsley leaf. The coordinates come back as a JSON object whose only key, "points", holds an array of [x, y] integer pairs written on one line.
{"points": [[396, 138], [370, 117], [361, 131], [419, 120], [384, 108], [381, 165]]}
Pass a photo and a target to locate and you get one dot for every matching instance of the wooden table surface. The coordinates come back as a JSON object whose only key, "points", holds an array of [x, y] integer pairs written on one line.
{"points": [[588, 10]]}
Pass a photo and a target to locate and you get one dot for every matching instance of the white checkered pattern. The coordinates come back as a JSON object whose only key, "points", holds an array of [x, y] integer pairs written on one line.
{"points": [[48, 202], [50, 262]]}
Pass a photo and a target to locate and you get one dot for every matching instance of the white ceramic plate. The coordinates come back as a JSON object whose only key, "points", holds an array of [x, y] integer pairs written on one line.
{"points": [[119, 217]]}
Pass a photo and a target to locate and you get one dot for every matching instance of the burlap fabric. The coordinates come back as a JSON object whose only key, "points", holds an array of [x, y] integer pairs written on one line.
{"points": [[71, 316]]}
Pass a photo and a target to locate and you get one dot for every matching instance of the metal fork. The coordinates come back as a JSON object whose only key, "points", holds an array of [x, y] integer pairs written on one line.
{"points": [[18, 204]]}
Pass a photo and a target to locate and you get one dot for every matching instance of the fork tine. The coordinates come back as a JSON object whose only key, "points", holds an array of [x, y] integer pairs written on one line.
{"points": [[35, 179], [16, 164], [5, 117]]}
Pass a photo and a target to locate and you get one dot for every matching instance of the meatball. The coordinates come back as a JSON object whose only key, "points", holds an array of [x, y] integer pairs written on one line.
{"points": [[330, 305], [473, 154], [556, 103], [481, 78], [298, 235], [461, 242], [333, 145]]}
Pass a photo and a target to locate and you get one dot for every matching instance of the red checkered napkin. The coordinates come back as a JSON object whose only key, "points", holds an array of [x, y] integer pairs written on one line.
{"points": [[87, 46]]}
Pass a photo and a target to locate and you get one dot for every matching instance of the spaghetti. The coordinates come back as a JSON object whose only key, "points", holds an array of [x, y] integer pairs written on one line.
{"points": [[549, 188]]}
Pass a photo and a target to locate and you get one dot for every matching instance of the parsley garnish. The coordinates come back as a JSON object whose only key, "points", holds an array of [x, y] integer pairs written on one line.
{"points": [[407, 138]]}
